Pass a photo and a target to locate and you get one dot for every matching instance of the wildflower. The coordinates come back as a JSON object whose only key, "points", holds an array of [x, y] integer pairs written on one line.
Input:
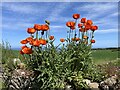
{"points": [[73, 39], [24, 41], [62, 40], [29, 39], [83, 20], [37, 27], [80, 25], [23, 46], [45, 27], [31, 30], [89, 22], [27, 50], [87, 27], [76, 16], [36, 43], [70, 24], [42, 41], [77, 39], [93, 28], [51, 37], [92, 41], [21, 52]]}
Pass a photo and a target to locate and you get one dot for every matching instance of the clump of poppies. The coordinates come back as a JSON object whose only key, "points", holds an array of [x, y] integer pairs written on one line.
{"points": [[68, 62]]}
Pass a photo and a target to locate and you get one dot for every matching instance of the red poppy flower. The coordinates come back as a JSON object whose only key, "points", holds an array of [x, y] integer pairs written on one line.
{"points": [[31, 42], [70, 24], [24, 41], [43, 42], [62, 40], [37, 27], [73, 39], [21, 52], [45, 27], [80, 25], [82, 30], [93, 28], [31, 30], [77, 39], [83, 20], [87, 27], [29, 39], [27, 50], [76, 16], [23, 47], [36, 43], [51, 37], [89, 22], [92, 41]]}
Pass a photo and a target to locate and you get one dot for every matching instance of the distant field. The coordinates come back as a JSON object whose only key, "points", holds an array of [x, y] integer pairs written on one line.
{"points": [[98, 56], [103, 56]]}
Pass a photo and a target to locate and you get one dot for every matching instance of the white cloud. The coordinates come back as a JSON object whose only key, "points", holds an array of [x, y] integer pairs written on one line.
{"points": [[25, 8], [106, 31], [55, 15], [97, 9], [16, 26], [56, 26]]}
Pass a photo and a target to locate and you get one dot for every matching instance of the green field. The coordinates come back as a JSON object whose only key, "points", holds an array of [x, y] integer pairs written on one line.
{"points": [[98, 56], [104, 56]]}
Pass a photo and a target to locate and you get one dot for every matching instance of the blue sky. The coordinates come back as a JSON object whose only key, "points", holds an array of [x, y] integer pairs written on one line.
{"points": [[18, 16]]}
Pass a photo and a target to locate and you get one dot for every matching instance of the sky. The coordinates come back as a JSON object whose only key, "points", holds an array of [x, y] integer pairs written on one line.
{"points": [[18, 16]]}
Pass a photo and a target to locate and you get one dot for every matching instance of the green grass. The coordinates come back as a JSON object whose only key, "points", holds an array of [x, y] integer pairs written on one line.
{"points": [[103, 56]]}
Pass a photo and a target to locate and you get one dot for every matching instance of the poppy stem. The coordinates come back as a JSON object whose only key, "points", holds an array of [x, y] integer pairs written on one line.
{"points": [[69, 34], [46, 34], [37, 35], [92, 33], [79, 34], [75, 28], [72, 34]]}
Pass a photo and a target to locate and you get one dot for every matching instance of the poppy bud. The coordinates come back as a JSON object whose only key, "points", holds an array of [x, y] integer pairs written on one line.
{"points": [[92, 41]]}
